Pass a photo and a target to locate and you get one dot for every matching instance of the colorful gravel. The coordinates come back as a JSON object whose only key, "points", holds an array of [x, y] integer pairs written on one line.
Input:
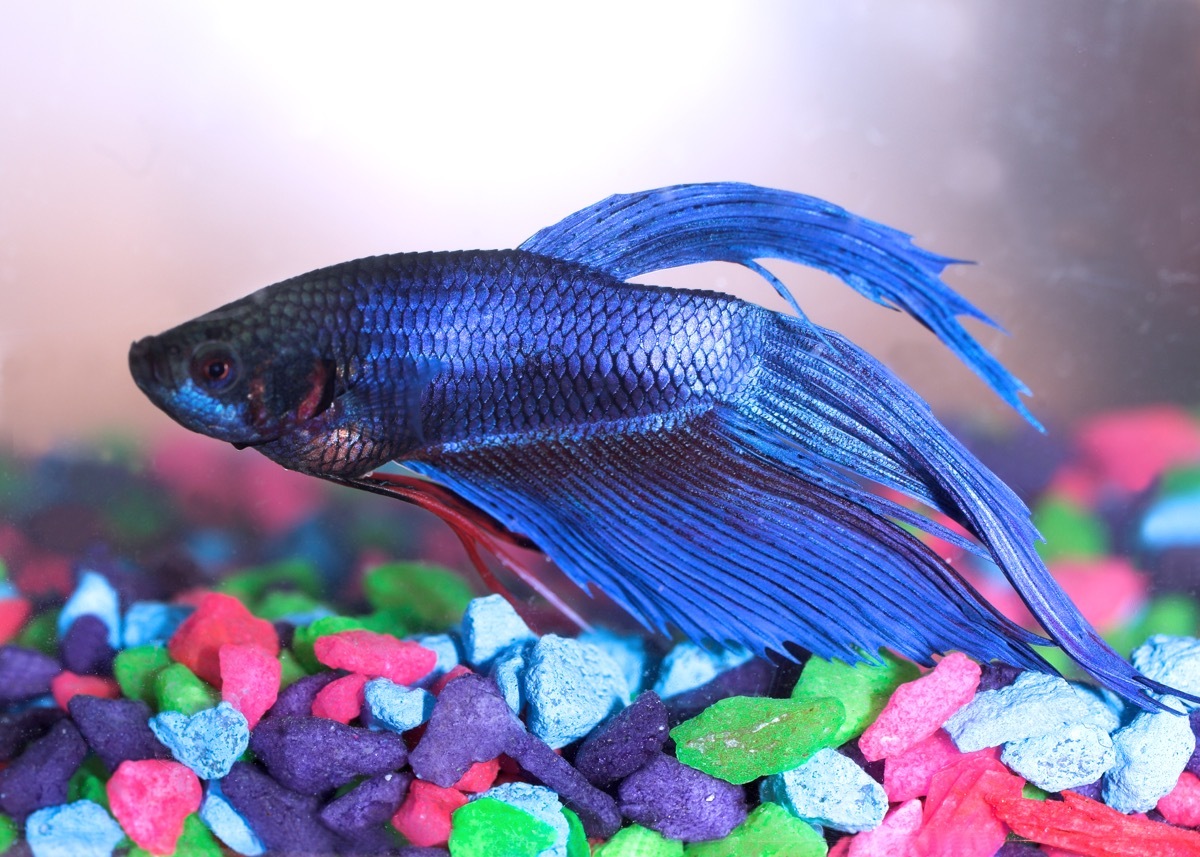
{"points": [[184, 673]]}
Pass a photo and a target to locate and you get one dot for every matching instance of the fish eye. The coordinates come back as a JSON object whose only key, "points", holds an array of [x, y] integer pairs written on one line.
{"points": [[214, 366]]}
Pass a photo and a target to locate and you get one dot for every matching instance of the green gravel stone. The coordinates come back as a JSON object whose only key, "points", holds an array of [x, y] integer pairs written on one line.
{"points": [[1180, 480], [8, 833], [862, 688], [279, 603], [290, 669], [135, 670], [307, 635], [638, 841], [195, 841], [577, 843], [89, 782], [490, 828], [1174, 615], [1031, 792], [1070, 531], [252, 584], [424, 597], [742, 738], [41, 633], [769, 831], [176, 688]]}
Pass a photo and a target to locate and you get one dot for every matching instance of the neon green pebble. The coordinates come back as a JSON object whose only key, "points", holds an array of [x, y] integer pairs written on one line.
{"points": [[279, 603], [8, 833], [742, 738], [136, 669], [88, 783], [423, 597], [863, 689], [1069, 530], [307, 635], [769, 831], [290, 669], [195, 841], [176, 688], [490, 828], [639, 841], [577, 844], [252, 584], [41, 633]]}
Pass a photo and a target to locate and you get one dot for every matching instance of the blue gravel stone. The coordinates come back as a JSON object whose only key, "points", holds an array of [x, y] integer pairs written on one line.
{"points": [[395, 707], [1034, 704], [569, 688], [448, 654], [208, 742], [1172, 522], [508, 671], [1151, 754], [688, 666], [94, 596], [539, 802], [489, 626], [629, 652], [1174, 661], [227, 824], [152, 622], [831, 791], [80, 829], [1065, 759]]}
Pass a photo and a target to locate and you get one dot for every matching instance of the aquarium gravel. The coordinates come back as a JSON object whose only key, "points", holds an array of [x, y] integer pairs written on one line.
{"points": [[323, 698]]}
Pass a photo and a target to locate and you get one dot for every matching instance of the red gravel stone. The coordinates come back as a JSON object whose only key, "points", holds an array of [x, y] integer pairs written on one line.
{"points": [[151, 799], [479, 777], [341, 699], [13, 614], [424, 817], [66, 685], [375, 655], [219, 619]]}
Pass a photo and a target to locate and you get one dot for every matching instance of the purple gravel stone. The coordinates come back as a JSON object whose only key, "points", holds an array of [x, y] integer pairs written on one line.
{"points": [[25, 673], [84, 648], [117, 730], [753, 678], [362, 810], [311, 755], [997, 675], [470, 723], [38, 777], [1093, 790], [1193, 764], [17, 730], [296, 699], [1013, 848], [284, 820], [626, 742], [680, 802], [597, 810], [418, 851]]}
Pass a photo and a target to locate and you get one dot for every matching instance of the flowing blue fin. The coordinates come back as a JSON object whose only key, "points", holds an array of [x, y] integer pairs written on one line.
{"points": [[628, 235], [674, 519]]}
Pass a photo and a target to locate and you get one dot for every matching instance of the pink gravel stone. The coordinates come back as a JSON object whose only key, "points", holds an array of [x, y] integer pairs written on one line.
{"points": [[1130, 448], [66, 685], [959, 820], [341, 699], [894, 837], [918, 708], [424, 817], [151, 799], [907, 775], [219, 619], [249, 679], [479, 777], [375, 655], [1182, 804]]}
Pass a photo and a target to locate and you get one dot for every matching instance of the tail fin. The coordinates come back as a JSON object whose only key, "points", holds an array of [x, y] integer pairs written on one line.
{"points": [[818, 395], [632, 234]]}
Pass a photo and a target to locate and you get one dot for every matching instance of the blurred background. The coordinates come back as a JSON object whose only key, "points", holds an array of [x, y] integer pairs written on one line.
{"points": [[157, 160]]}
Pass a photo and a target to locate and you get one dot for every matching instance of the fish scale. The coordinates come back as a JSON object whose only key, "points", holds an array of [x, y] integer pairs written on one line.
{"points": [[707, 462]]}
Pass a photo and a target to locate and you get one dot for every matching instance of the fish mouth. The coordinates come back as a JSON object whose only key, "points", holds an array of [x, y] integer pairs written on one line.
{"points": [[150, 364]]}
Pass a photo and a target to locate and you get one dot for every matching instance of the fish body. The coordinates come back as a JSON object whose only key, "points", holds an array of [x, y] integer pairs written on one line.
{"points": [[708, 463]]}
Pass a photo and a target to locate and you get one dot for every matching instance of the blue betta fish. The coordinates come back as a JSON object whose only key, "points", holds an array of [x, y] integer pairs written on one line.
{"points": [[706, 462]]}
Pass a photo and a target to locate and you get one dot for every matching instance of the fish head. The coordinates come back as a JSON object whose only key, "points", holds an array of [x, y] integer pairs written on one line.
{"points": [[245, 373]]}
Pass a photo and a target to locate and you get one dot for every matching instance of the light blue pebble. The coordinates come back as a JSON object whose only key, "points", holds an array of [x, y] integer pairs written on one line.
{"points": [[1064, 759], [489, 626], [829, 790], [629, 652], [7, 590], [688, 666], [227, 824], [447, 651], [93, 595], [1106, 710], [1035, 704], [208, 742], [1174, 661], [395, 707], [1151, 754], [1172, 522], [80, 829], [542, 804], [569, 687], [153, 622], [299, 620], [508, 670]]}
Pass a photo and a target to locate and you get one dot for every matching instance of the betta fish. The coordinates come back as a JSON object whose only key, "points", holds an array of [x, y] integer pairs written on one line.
{"points": [[711, 465]]}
